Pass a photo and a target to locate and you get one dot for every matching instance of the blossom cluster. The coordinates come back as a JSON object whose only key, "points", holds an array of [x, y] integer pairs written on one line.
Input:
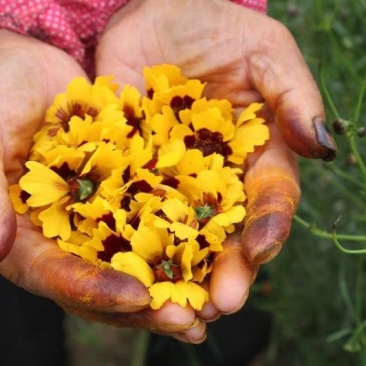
{"points": [[149, 185]]}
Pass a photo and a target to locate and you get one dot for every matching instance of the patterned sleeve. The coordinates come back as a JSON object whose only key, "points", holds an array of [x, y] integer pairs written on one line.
{"points": [[73, 26]]}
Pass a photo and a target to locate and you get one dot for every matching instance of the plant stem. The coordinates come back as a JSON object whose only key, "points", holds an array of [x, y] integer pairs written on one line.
{"points": [[361, 95], [358, 157], [327, 235]]}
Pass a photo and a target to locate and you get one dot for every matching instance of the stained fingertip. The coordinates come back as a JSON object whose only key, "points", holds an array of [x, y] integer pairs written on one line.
{"points": [[308, 138], [72, 280], [264, 236]]}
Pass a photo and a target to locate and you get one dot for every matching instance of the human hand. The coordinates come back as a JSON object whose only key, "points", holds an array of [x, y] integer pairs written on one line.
{"points": [[244, 57], [31, 74]]}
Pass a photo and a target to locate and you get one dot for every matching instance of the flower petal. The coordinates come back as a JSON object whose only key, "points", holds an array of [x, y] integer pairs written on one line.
{"points": [[43, 184], [133, 265]]}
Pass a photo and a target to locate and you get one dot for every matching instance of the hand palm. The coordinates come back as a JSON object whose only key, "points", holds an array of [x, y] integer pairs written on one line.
{"points": [[222, 44], [31, 81], [26, 91], [208, 50]]}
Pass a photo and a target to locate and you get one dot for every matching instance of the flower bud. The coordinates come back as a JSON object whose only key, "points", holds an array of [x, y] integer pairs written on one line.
{"points": [[361, 132], [351, 160], [340, 126]]}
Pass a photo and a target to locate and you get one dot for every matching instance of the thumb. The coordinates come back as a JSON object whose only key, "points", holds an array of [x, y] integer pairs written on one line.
{"points": [[40, 267], [7, 217], [278, 71]]}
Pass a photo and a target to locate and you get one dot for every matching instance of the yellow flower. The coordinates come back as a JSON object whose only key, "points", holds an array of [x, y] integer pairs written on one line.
{"points": [[43, 184], [104, 244], [202, 270], [104, 159], [158, 239], [132, 109], [207, 128], [131, 263], [251, 131], [167, 87], [180, 292], [161, 124], [192, 162], [55, 220], [91, 213], [140, 153], [216, 195], [73, 244], [111, 127], [173, 211], [61, 156], [186, 254], [142, 184], [19, 198], [151, 265], [170, 154], [81, 98], [160, 78]]}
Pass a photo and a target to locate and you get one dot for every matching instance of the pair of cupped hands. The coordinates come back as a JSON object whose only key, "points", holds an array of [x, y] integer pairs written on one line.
{"points": [[243, 56]]}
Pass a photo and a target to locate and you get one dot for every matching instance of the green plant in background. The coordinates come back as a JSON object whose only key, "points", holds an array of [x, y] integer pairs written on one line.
{"points": [[318, 298]]}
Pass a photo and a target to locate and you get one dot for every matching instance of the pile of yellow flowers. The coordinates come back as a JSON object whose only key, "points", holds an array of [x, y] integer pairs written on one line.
{"points": [[147, 185]]}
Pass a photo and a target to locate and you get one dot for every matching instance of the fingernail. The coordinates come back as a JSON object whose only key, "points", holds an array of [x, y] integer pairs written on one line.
{"points": [[194, 335], [183, 338], [195, 323], [266, 254], [325, 139]]}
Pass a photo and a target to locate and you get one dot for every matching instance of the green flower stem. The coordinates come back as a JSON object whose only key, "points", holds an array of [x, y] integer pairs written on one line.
{"points": [[359, 291], [327, 94], [358, 157], [361, 96], [327, 235], [340, 173], [344, 250]]}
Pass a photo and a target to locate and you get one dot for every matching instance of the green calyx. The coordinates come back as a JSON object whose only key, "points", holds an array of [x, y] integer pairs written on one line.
{"points": [[86, 188], [204, 212]]}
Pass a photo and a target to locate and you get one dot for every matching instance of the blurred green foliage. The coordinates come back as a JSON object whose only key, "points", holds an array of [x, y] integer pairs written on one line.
{"points": [[318, 291]]}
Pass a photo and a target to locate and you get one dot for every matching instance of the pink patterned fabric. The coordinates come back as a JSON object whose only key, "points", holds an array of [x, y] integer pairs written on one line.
{"points": [[71, 25], [259, 5]]}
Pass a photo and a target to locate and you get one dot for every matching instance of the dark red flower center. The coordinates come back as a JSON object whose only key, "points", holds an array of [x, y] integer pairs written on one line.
{"points": [[208, 143], [180, 103], [113, 244]]}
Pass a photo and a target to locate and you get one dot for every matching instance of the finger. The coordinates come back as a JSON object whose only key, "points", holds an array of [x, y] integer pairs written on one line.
{"points": [[39, 266], [209, 311], [273, 193], [7, 220], [195, 335], [278, 71], [169, 319], [231, 277]]}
